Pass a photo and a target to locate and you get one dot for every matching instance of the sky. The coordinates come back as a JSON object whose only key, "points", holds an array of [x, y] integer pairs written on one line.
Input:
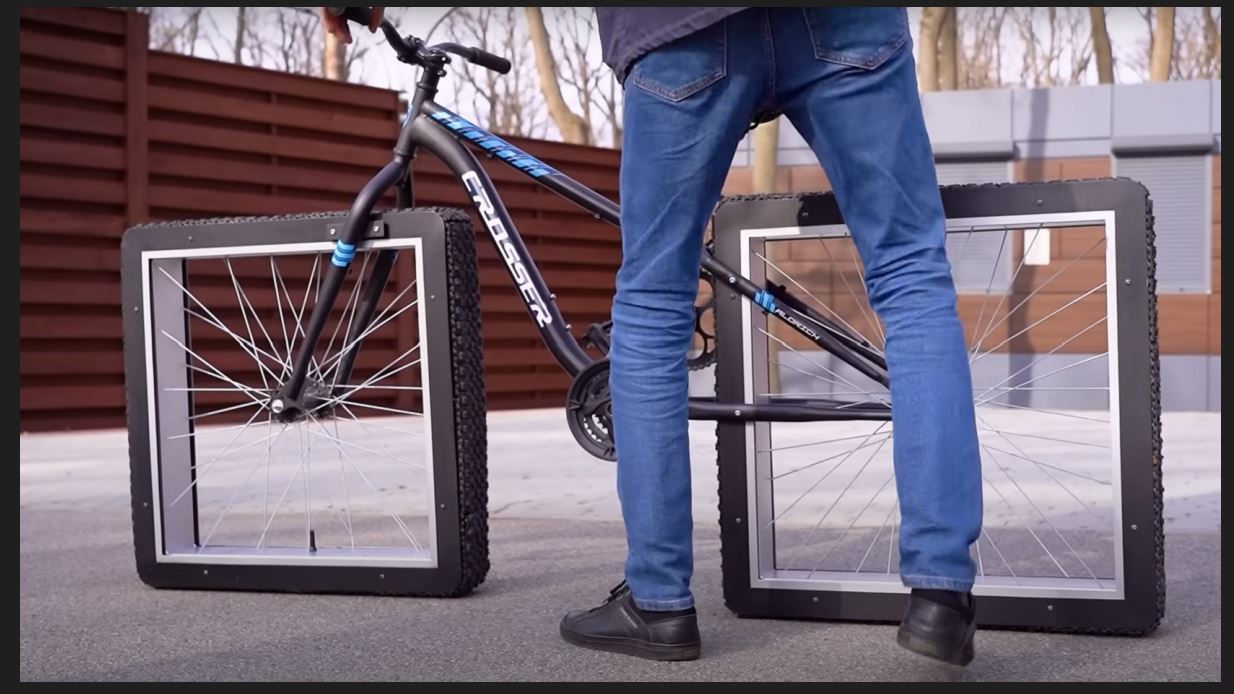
{"points": [[377, 67]]}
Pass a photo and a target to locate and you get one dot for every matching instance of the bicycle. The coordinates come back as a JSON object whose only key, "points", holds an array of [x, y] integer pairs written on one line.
{"points": [[761, 335]]}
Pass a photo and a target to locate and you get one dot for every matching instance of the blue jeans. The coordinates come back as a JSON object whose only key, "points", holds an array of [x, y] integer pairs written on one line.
{"points": [[845, 79]]}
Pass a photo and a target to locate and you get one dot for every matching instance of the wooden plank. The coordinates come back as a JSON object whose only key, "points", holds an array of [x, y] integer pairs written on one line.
{"points": [[40, 150], [71, 119], [214, 202], [47, 187], [71, 49], [66, 222], [219, 168], [34, 398], [185, 68], [70, 293], [68, 326], [52, 362], [97, 20], [59, 82], [322, 119], [137, 201]]}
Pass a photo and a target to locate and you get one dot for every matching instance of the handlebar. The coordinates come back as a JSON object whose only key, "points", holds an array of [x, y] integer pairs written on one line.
{"points": [[412, 50]]}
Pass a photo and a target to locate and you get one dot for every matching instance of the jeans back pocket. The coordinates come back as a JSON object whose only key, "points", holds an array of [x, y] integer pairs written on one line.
{"points": [[683, 68], [860, 37]]}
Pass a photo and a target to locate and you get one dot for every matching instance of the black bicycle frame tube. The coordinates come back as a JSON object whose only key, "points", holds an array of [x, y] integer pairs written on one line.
{"points": [[427, 134], [431, 127], [436, 130], [345, 248]]}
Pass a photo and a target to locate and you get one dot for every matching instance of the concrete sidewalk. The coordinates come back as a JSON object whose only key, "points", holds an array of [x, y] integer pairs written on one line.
{"points": [[555, 545]]}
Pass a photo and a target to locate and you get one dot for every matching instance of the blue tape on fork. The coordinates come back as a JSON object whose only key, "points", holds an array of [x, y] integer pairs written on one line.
{"points": [[343, 253]]}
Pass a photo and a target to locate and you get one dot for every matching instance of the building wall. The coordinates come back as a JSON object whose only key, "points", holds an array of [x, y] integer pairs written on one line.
{"points": [[1058, 134]]}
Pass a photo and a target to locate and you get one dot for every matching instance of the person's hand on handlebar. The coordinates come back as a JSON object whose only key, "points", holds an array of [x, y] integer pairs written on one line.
{"points": [[337, 25]]}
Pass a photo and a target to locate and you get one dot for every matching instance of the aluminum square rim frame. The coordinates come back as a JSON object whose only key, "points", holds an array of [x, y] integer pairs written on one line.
{"points": [[763, 573], [419, 229]]}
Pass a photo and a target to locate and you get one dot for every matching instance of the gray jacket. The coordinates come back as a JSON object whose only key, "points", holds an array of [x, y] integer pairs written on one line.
{"points": [[627, 33]]}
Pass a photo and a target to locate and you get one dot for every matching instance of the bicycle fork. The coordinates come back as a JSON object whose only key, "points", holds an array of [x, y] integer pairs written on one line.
{"points": [[297, 398]]}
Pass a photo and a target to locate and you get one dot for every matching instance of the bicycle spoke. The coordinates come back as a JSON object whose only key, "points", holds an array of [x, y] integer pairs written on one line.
{"points": [[214, 371], [227, 448], [989, 287], [843, 380], [818, 301], [247, 326], [1007, 474], [337, 359], [844, 491], [381, 375], [236, 494], [1043, 411], [214, 321], [306, 447], [211, 430], [999, 552], [269, 340], [860, 304], [1036, 361], [398, 521], [891, 539], [877, 535], [807, 466], [825, 476], [1027, 527], [1046, 465], [1039, 321], [1050, 438], [349, 308], [1045, 471], [225, 410], [358, 447], [383, 409], [275, 279], [367, 430], [850, 526], [806, 445], [346, 492], [990, 329]]}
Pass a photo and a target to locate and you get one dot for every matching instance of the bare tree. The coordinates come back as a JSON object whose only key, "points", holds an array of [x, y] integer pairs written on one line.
{"points": [[1197, 44], [766, 147], [1101, 46], [241, 32], [1162, 49], [948, 52], [297, 48], [593, 86], [505, 104], [927, 60], [174, 29], [572, 126], [333, 56], [1057, 45], [1212, 42], [979, 50]]}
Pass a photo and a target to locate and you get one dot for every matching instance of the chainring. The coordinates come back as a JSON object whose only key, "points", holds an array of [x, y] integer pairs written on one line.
{"points": [[589, 411]]}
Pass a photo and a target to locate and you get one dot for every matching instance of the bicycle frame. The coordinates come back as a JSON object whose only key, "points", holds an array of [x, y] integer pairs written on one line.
{"points": [[430, 127]]}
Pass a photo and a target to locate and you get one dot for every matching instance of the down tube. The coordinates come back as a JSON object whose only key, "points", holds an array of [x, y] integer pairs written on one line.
{"points": [[510, 248]]}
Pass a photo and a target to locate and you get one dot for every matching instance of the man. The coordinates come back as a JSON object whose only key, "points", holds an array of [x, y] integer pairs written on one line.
{"points": [[844, 76]]}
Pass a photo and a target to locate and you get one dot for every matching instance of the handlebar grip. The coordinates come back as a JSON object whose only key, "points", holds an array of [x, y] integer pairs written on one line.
{"points": [[359, 15], [484, 59]]}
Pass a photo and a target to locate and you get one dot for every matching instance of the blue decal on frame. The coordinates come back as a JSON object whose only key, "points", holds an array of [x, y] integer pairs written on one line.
{"points": [[494, 145]]}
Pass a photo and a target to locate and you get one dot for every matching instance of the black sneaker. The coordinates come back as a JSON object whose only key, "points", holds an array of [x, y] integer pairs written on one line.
{"points": [[942, 629], [619, 626]]}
